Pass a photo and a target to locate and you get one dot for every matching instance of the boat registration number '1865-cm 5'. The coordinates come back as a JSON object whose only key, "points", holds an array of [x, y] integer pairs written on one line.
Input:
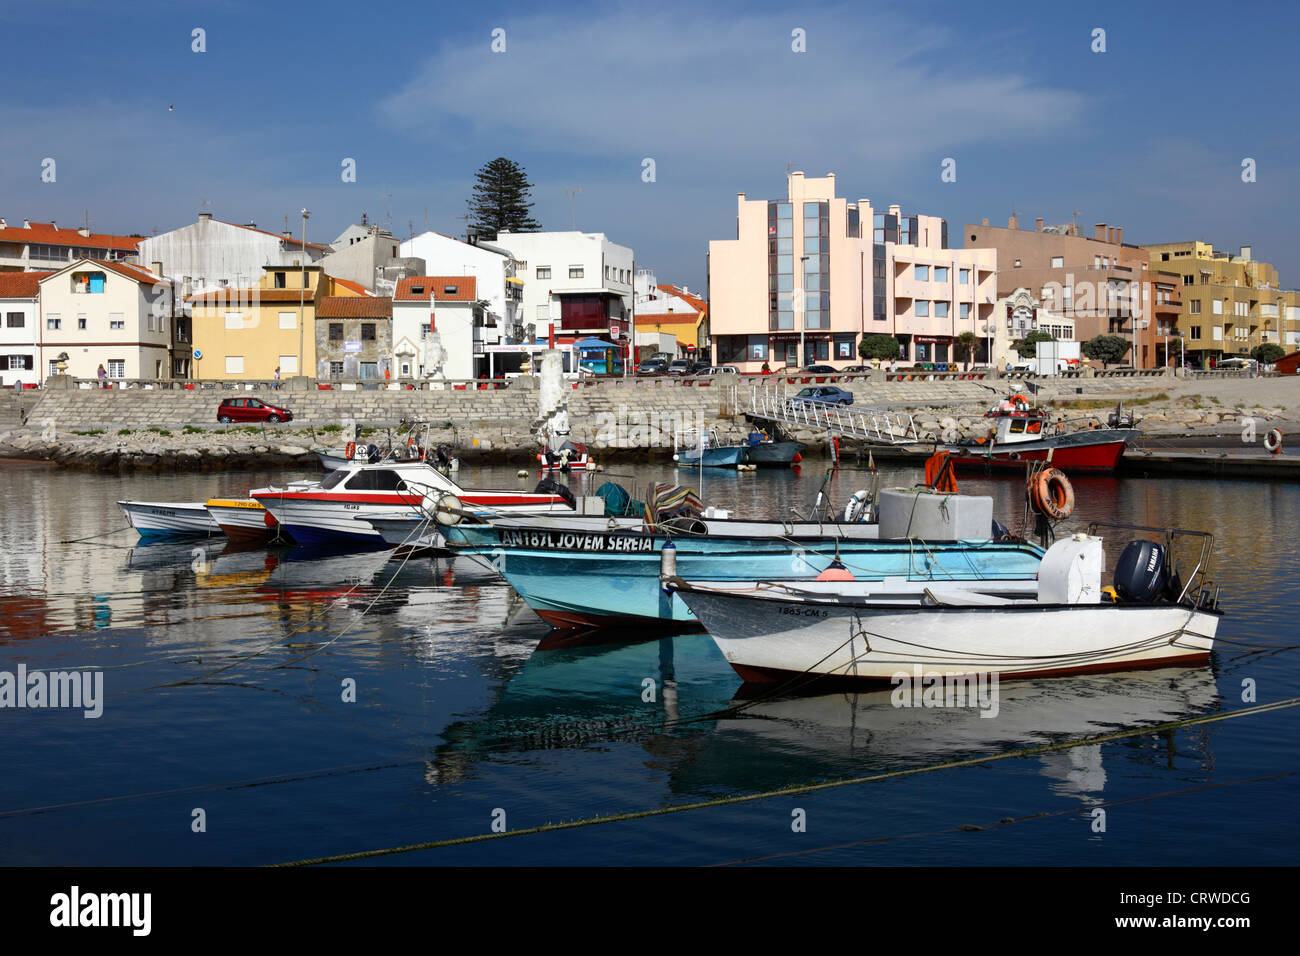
{"points": [[558, 541]]}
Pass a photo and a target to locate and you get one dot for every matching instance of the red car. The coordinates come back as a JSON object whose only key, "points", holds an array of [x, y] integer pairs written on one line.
{"points": [[251, 410]]}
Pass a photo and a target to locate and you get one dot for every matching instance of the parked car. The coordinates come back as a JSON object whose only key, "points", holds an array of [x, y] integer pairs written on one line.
{"points": [[251, 410], [821, 369], [720, 369], [858, 368], [699, 367], [821, 395], [680, 367], [652, 367]]}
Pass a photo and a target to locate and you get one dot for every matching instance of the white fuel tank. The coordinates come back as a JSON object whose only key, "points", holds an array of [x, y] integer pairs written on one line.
{"points": [[920, 513], [1071, 572]]}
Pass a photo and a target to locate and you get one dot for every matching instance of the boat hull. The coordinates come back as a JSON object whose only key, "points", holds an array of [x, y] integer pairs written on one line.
{"points": [[728, 456], [770, 639], [163, 519], [1092, 452], [775, 452], [244, 520], [602, 579]]}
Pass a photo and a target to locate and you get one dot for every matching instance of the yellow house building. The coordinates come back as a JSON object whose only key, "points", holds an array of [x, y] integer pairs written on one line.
{"points": [[1230, 304], [249, 333]]}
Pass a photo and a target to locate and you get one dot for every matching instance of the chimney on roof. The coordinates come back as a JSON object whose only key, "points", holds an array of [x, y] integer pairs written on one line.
{"points": [[1245, 253], [3, 224], [895, 210], [1099, 231], [288, 234], [1038, 224], [1119, 235], [54, 225], [84, 232], [252, 225], [985, 221], [1013, 222], [205, 215], [157, 267], [27, 223]]}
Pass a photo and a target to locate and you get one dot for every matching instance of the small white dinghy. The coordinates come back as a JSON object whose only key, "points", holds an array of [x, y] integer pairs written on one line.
{"points": [[873, 630], [164, 518]]}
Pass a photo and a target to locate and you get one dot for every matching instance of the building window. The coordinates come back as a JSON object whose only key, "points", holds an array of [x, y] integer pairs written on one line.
{"points": [[1017, 263], [234, 320], [288, 365], [1189, 280], [426, 328], [117, 368], [940, 273], [1218, 306], [575, 272], [116, 321], [941, 310], [53, 321], [1194, 333], [963, 310], [148, 321], [288, 320], [922, 308], [367, 331], [16, 320], [369, 370], [963, 276], [19, 363], [81, 321], [234, 365], [336, 369], [336, 331], [921, 273], [1058, 262], [543, 272]]}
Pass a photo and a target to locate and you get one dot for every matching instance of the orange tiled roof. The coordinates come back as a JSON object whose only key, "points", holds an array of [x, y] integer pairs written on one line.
{"points": [[128, 269], [466, 289], [355, 287], [698, 303], [47, 233], [21, 285], [355, 307]]}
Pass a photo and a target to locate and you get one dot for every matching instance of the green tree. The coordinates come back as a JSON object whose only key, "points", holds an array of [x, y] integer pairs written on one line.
{"points": [[501, 200], [883, 347], [1025, 348], [963, 347], [1267, 353], [1105, 348]]}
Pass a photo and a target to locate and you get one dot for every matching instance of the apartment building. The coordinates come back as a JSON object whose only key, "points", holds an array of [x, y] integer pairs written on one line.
{"points": [[664, 309], [37, 246], [1228, 303], [1097, 281], [20, 314], [809, 275], [498, 278], [575, 284], [354, 337], [442, 328], [105, 313]]}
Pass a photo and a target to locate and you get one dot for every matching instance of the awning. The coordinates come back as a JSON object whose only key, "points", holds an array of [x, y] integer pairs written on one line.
{"points": [[594, 343]]}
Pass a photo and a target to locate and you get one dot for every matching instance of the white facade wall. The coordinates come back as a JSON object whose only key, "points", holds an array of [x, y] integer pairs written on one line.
{"points": [[561, 253], [138, 349], [445, 256], [19, 342], [213, 254], [454, 331]]}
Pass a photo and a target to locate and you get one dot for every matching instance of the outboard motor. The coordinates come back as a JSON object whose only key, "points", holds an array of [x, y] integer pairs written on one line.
{"points": [[1141, 573], [373, 455], [549, 486]]}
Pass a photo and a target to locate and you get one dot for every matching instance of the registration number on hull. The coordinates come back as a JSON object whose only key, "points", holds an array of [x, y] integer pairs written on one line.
{"points": [[567, 541]]}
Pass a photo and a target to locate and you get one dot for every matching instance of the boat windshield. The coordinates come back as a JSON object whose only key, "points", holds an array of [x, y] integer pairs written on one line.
{"points": [[334, 478]]}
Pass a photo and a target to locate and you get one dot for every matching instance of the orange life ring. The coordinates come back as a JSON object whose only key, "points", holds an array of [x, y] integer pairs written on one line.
{"points": [[1273, 441], [350, 450], [1051, 494]]}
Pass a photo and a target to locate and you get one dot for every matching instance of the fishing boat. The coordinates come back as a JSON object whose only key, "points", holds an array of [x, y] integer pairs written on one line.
{"points": [[570, 454], [169, 518], [244, 520], [577, 572], [323, 513], [1019, 433], [701, 447], [770, 446], [860, 630]]}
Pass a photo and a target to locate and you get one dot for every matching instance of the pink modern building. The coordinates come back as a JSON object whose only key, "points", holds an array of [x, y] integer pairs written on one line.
{"points": [[822, 271]]}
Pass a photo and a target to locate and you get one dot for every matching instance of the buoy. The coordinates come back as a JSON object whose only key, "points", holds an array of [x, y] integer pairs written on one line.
{"points": [[350, 450], [591, 466], [667, 561], [521, 473], [857, 505], [836, 572], [1051, 494], [798, 457], [1273, 442]]}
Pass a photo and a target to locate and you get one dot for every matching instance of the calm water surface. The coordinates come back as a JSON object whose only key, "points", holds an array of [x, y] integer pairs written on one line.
{"points": [[466, 707]]}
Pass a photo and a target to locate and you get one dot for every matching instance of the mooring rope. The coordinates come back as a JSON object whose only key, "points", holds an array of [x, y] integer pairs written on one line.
{"points": [[793, 790]]}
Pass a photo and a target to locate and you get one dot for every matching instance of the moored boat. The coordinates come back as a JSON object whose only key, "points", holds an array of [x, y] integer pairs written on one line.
{"points": [[1069, 624], [245, 520], [163, 518], [1019, 434]]}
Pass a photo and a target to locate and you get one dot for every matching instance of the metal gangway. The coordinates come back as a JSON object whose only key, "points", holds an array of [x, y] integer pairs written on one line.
{"points": [[871, 425]]}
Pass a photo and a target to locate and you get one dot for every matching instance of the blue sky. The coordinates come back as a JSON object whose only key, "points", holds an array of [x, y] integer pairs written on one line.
{"points": [[1149, 135]]}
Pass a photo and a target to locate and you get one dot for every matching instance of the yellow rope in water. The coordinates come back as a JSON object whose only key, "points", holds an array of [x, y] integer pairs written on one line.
{"points": [[791, 790]]}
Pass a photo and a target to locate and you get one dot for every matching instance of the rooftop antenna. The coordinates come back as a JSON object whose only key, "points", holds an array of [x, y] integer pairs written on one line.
{"points": [[426, 217], [573, 194], [388, 206], [468, 237]]}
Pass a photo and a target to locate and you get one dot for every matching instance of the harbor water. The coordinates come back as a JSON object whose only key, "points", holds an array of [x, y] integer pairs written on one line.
{"points": [[274, 704]]}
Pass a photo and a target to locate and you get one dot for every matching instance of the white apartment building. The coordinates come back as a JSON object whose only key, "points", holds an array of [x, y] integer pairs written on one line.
{"points": [[819, 271], [441, 328], [113, 314], [495, 273], [211, 254], [576, 284], [20, 316]]}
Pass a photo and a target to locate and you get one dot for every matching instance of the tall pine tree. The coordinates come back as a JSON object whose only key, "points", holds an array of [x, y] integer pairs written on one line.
{"points": [[501, 200]]}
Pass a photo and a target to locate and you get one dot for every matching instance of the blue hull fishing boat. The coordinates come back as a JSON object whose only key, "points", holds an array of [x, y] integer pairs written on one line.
{"points": [[696, 448]]}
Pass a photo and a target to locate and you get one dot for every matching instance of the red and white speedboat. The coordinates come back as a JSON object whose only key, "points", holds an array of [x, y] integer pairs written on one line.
{"points": [[324, 513], [1020, 434]]}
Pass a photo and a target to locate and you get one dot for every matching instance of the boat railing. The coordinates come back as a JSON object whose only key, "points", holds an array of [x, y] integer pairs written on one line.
{"points": [[1198, 579]]}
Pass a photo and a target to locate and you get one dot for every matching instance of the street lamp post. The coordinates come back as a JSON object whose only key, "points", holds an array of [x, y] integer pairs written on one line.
{"points": [[302, 292]]}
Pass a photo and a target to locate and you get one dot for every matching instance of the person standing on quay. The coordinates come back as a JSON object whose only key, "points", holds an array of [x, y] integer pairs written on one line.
{"points": [[277, 378], [103, 376]]}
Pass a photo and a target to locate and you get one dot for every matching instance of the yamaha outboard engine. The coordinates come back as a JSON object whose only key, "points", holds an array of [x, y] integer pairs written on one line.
{"points": [[373, 455], [549, 486], [1141, 573]]}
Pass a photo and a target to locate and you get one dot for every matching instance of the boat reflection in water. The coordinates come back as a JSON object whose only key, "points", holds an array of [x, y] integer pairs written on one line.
{"points": [[706, 735]]}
